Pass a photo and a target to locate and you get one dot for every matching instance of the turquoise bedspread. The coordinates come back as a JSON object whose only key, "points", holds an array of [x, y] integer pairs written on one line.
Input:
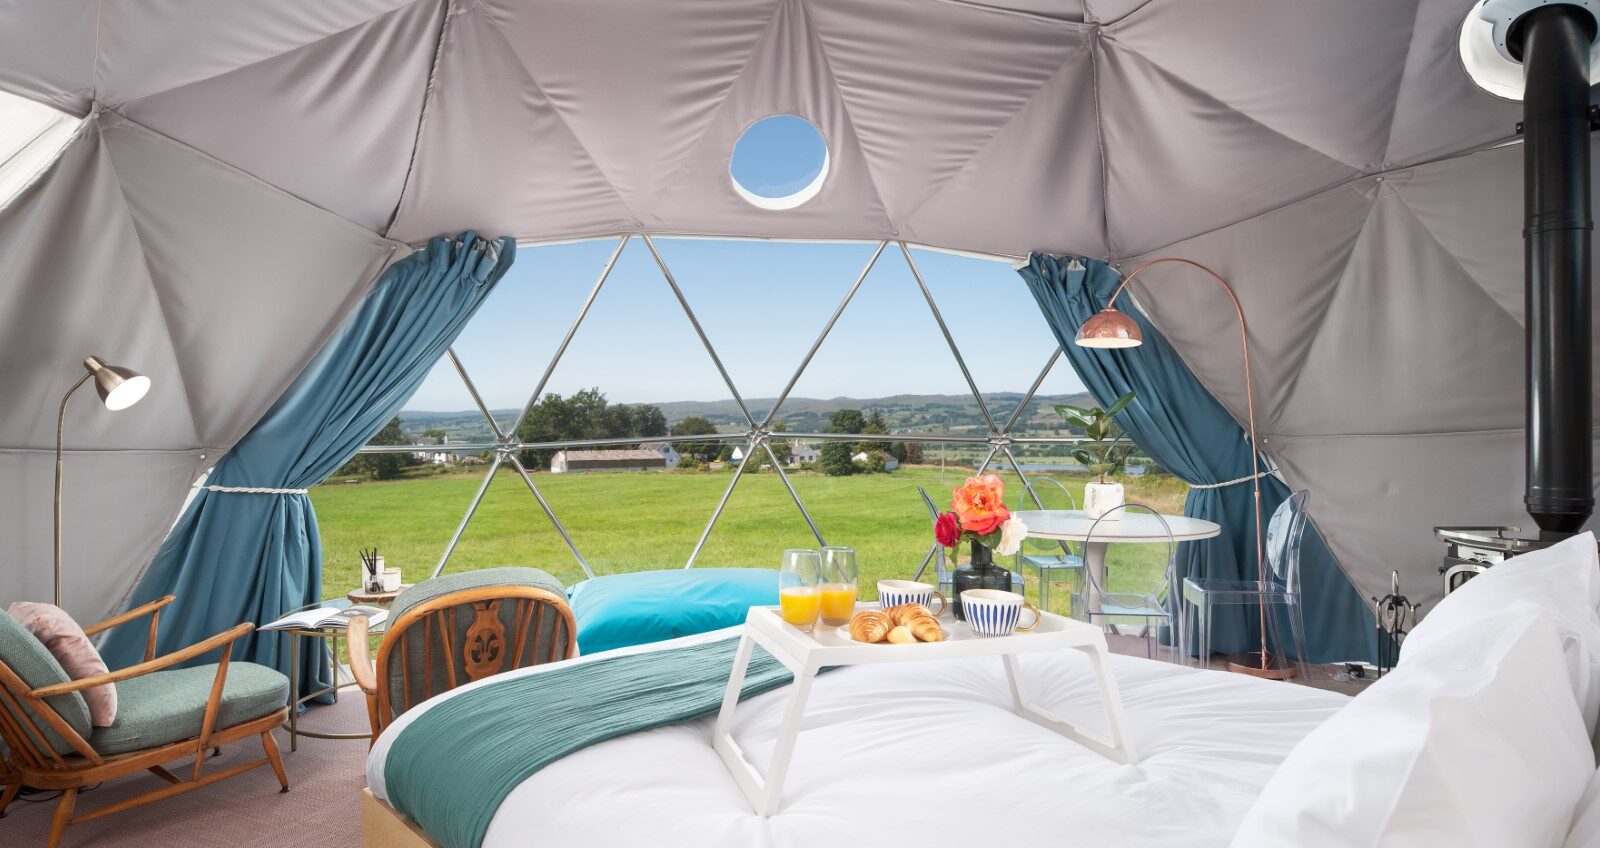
{"points": [[450, 769]]}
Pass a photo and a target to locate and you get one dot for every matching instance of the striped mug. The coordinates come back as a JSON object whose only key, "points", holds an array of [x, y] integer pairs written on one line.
{"points": [[994, 612], [893, 593]]}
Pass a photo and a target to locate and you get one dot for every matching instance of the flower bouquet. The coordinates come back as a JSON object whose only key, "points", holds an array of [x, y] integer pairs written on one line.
{"points": [[978, 515]]}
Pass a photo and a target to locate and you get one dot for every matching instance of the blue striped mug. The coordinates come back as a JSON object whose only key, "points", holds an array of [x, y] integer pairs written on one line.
{"points": [[893, 593], [994, 612]]}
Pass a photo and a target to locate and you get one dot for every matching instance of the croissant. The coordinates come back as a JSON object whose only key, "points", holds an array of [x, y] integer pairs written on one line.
{"points": [[903, 613], [901, 636], [870, 626], [926, 629]]}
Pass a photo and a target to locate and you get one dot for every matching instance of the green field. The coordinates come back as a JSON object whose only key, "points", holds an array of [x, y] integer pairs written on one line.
{"points": [[650, 520]]}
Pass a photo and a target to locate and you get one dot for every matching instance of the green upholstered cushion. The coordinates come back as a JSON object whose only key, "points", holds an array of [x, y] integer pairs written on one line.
{"points": [[427, 590], [428, 660], [169, 706], [33, 662]]}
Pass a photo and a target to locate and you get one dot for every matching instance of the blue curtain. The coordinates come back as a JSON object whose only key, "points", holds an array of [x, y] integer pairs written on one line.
{"points": [[1184, 429], [236, 556]]}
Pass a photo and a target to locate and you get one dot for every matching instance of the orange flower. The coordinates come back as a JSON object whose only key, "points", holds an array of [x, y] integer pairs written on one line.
{"points": [[980, 504]]}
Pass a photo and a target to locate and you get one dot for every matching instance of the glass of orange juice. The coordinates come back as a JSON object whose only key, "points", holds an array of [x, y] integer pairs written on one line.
{"points": [[799, 588], [838, 585]]}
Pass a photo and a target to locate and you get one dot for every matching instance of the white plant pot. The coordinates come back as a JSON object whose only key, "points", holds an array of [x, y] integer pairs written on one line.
{"points": [[1101, 498]]}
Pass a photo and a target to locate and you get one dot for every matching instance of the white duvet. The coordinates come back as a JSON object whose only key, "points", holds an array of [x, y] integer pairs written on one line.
{"points": [[926, 755]]}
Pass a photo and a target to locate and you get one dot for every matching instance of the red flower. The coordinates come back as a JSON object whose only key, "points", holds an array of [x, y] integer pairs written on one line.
{"points": [[947, 529]]}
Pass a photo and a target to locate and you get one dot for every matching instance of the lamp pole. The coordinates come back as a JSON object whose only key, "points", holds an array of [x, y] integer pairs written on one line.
{"points": [[1250, 409], [119, 388]]}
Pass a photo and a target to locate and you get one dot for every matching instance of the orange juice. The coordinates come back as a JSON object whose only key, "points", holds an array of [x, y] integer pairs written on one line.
{"points": [[838, 603], [799, 605]]}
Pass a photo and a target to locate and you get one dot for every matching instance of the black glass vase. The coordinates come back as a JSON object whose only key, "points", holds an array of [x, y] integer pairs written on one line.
{"points": [[979, 573]]}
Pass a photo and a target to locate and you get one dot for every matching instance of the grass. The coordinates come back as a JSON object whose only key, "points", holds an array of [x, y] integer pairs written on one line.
{"points": [[651, 520]]}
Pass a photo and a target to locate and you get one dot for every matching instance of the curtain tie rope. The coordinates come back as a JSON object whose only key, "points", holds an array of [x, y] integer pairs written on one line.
{"points": [[253, 490], [1245, 479]]}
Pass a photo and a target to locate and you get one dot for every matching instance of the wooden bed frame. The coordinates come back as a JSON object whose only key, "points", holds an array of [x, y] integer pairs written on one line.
{"points": [[382, 827]]}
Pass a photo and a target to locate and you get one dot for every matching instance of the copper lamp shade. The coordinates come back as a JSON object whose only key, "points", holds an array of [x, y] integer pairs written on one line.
{"points": [[119, 388], [1109, 328]]}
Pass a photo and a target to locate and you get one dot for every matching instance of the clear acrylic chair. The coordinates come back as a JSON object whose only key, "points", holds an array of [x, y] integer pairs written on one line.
{"points": [[936, 555], [1281, 586], [1151, 607], [1051, 559]]}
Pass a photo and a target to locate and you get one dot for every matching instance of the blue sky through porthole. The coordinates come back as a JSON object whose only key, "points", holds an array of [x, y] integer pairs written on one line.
{"points": [[779, 157]]}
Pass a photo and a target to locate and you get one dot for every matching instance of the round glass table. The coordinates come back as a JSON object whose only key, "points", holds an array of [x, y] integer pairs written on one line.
{"points": [[329, 638]]}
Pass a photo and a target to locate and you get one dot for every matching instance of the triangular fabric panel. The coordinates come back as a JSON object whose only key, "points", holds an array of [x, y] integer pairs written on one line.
{"points": [[990, 67], [147, 48], [1294, 288], [48, 51], [1438, 110], [639, 84], [788, 74], [1382, 345], [1310, 96], [333, 122], [1207, 162], [234, 301], [993, 203], [529, 176], [84, 290]]}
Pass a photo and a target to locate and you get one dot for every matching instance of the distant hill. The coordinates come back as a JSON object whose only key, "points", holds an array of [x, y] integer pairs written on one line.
{"points": [[952, 414]]}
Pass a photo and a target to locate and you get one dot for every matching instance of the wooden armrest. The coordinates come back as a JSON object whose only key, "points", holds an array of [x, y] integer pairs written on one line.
{"points": [[361, 667], [226, 637], [128, 616]]}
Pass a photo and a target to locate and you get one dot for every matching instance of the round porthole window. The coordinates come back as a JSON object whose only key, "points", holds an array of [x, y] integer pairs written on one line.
{"points": [[779, 162]]}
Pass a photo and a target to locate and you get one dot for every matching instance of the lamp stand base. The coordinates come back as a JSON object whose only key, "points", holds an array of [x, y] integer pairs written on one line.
{"points": [[1277, 666]]}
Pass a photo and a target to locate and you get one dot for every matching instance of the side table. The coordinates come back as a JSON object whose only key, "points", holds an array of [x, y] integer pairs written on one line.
{"points": [[330, 637]]}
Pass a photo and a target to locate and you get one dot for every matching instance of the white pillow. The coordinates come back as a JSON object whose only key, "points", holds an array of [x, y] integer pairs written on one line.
{"points": [[1475, 740], [1562, 580], [1585, 831]]}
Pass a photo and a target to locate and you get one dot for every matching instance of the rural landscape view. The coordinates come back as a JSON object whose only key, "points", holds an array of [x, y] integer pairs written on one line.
{"points": [[408, 505]]}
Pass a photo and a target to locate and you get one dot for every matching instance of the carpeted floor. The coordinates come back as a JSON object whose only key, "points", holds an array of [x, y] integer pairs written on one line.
{"points": [[322, 809]]}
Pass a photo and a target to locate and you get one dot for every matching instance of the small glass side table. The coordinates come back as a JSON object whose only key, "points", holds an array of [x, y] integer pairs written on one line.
{"points": [[330, 637]]}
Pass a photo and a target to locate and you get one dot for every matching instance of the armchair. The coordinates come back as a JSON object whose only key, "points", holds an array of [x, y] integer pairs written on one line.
{"points": [[459, 628], [164, 714]]}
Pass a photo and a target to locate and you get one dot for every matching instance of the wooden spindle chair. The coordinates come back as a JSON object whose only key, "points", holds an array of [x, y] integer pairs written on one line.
{"points": [[459, 628]]}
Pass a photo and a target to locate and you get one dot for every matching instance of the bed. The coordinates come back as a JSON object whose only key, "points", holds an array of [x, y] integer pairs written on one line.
{"points": [[1483, 735], [884, 744]]}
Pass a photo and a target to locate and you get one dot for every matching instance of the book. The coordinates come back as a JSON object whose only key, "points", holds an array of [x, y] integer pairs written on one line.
{"points": [[322, 618]]}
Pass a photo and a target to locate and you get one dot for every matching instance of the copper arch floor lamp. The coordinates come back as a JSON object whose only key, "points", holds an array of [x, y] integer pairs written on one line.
{"points": [[1110, 328]]}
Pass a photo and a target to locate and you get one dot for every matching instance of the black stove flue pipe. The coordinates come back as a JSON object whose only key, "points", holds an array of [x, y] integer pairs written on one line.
{"points": [[1553, 43]]}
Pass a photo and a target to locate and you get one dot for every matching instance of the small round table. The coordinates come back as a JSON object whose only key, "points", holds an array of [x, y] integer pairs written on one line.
{"points": [[1072, 525], [330, 637]]}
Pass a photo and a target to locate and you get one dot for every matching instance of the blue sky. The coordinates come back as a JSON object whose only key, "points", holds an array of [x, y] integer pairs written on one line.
{"points": [[761, 303]]}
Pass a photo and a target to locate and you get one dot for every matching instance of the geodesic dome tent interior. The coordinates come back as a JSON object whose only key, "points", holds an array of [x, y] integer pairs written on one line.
{"points": [[232, 179]]}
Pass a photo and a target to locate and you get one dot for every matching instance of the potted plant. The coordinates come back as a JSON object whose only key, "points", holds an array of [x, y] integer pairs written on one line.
{"points": [[1105, 453], [978, 515]]}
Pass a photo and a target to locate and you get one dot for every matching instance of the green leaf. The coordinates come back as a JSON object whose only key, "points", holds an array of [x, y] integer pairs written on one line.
{"points": [[1083, 457], [1121, 404]]}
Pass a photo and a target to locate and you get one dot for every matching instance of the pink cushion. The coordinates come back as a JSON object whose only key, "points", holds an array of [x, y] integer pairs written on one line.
{"points": [[67, 642]]}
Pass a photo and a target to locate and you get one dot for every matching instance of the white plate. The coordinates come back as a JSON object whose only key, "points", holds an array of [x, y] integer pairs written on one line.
{"points": [[844, 633]]}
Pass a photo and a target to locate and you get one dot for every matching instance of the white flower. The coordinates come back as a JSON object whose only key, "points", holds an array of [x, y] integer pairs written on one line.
{"points": [[1012, 532]]}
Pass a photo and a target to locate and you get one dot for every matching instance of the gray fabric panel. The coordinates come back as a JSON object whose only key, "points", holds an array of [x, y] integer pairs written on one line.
{"points": [[481, 95], [425, 642], [967, 125], [290, 116], [117, 506]]}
